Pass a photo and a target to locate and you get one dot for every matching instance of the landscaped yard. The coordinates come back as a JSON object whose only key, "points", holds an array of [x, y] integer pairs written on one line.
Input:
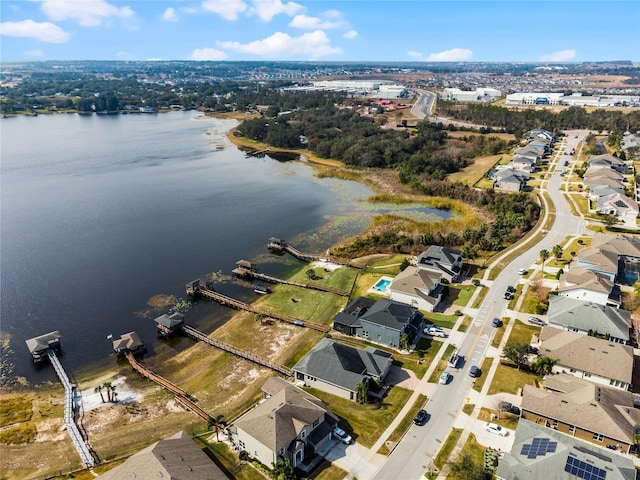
{"points": [[479, 381], [365, 423], [510, 379], [522, 332], [445, 321], [459, 294], [447, 447]]}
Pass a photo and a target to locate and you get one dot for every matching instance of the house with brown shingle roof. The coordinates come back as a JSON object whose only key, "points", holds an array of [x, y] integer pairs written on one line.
{"points": [[599, 259], [580, 283], [607, 161], [417, 287], [582, 409], [286, 423], [594, 359]]}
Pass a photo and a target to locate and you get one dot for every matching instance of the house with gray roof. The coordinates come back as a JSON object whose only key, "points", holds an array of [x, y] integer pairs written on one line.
{"points": [[288, 423], [523, 164], [176, 457], [540, 452], [385, 322], [623, 207], [594, 359], [630, 143], [603, 173], [348, 320], [510, 180], [337, 368], [39, 345], [607, 161], [598, 191], [581, 283], [444, 260], [589, 318], [418, 287]]}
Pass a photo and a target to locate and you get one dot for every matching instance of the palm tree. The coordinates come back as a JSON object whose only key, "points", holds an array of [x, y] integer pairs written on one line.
{"points": [[362, 392], [98, 389], [557, 251], [107, 387], [543, 365], [544, 256], [404, 341], [217, 423], [114, 394]]}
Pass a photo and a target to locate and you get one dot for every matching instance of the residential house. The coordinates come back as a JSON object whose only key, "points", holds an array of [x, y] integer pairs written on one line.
{"points": [[510, 180], [336, 368], [531, 155], [580, 283], [601, 173], [348, 320], [446, 261], [176, 457], [536, 149], [591, 358], [523, 164], [539, 452], [598, 191], [418, 287], [384, 322], [630, 143], [621, 206], [287, 424], [607, 161], [599, 259], [602, 180], [582, 409], [589, 318]]}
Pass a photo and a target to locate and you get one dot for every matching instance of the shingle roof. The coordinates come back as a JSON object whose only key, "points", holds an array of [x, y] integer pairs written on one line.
{"points": [[170, 321], [439, 254], [42, 342], [391, 314], [342, 365], [591, 407], [278, 420], [569, 312], [177, 457], [588, 354], [517, 465], [619, 244], [414, 280], [600, 258], [583, 278]]}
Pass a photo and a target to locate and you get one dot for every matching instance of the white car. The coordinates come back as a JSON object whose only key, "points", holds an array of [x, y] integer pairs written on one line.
{"points": [[342, 436], [497, 429], [435, 332], [445, 378], [522, 271]]}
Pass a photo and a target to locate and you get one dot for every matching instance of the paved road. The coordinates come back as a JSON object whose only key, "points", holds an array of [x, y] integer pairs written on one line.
{"points": [[423, 107], [413, 455]]}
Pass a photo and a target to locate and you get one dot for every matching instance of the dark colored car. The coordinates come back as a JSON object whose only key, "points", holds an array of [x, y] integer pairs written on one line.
{"points": [[421, 417], [496, 322], [474, 371], [508, 296], [534, 350], [511, 289]]}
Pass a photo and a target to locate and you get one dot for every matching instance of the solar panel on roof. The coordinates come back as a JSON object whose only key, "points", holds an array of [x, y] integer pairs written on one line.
{"points": [[584, 470], [538, 447]]}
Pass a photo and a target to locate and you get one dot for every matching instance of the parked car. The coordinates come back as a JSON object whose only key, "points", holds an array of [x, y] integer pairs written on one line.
{"points": [[536, 321], [436, 332], [497, 429], [509, 407], [454, 359], [496, 322], [445, 378], [511, 289], [342, 436], [532, 349], [508, 296], [522, 271], [475, 371], [421, 418]]}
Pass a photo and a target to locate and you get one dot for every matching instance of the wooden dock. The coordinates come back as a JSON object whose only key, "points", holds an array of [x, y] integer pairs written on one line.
{"points": [[194, 289], [197, 335], [181, 396], [245, 269]]}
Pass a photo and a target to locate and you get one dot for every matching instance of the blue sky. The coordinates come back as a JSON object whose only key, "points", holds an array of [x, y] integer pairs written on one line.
{"points": [[348, 30]]}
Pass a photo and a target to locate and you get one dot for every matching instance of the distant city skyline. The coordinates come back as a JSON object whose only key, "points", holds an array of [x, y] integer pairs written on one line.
{"points": [[350, 30]]}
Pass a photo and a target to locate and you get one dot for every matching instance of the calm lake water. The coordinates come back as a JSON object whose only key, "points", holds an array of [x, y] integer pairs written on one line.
{"points": [[101, 213]]}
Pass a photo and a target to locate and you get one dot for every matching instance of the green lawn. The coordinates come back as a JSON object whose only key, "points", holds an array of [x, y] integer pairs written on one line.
{"points": [[510, 379], [522, 332], [465, 324], [497, 338], [459, 294], [230, 462], [480, 297], [446, 321], [447, 447], [365, 423], [479, 381], [442, 363]]}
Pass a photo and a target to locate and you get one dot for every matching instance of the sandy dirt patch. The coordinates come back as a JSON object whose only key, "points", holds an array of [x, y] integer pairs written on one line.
{"points": [[53, 430], [91, 399]]}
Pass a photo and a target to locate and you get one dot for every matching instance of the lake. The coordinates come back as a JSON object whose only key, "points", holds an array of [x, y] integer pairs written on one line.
{"points": [[100, 213]]}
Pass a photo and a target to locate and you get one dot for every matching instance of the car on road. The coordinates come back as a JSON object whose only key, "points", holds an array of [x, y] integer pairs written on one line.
{"points": [[511, 289], [497, 429], [522, 271], [445, 378], [421, 418], [342, 436], [508, 296], [536, 321], [474, 371], [496, 322]]}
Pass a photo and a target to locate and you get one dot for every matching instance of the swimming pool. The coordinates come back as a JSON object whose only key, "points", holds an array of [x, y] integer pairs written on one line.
{"points": [[382, 285]]}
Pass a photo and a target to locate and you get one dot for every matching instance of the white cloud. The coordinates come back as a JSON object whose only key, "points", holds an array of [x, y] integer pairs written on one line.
{"points": [[122, 54], [43, 31], [279, 45], [414, 54], [311, 23], [560, 56], [350, 34], [453, 55], [267, 9], [170, 15], [88, 13], [207, 54], [227, 9], [37, 53]]}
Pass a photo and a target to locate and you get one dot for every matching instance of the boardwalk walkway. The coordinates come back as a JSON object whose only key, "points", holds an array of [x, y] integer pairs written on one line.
{"points": [[192, 332], [244, 273], [69, 417], [195, 288], [181, 396]]}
